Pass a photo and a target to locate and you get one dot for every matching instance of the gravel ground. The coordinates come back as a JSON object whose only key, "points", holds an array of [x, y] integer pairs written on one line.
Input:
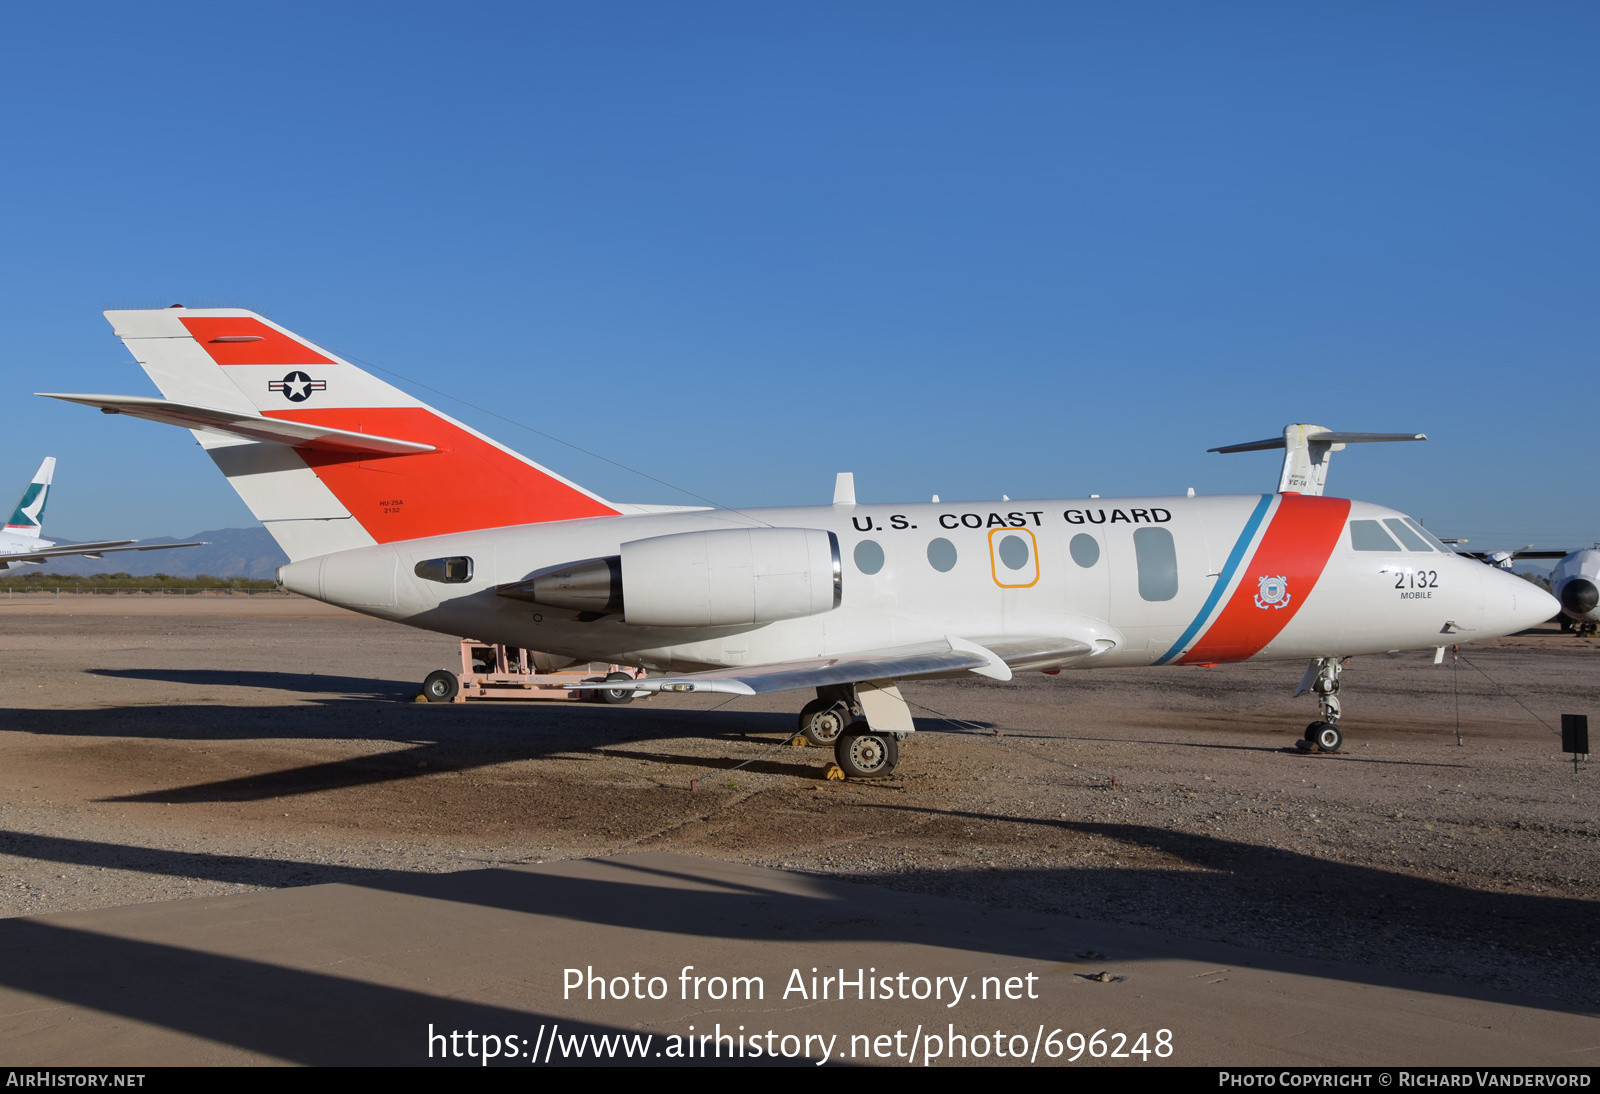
{"points": [[158, 749]]}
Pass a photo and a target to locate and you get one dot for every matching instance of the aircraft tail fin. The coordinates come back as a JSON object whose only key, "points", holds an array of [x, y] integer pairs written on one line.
{"points": [[27, 519], [226, 370]]}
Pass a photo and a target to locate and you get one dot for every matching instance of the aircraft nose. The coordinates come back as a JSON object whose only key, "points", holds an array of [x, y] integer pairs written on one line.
{"points": [[1511, 604], [1579, 596]]}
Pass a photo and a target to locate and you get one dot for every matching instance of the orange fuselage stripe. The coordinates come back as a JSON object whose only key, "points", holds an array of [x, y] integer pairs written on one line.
{"points": [[1296, 546]]}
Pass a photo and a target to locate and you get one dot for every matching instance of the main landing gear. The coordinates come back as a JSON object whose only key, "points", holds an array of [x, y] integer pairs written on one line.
{"points": [[1322, 677], [835, 719]]}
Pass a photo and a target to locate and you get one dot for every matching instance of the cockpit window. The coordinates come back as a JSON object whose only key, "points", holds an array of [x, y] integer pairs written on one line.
{"points": [[1368, 535], [1412, 541], [1429, 536]]}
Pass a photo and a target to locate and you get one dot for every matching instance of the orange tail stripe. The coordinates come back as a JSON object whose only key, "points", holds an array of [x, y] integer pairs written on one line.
{"points": [[1296, 547], [466, 485], [268, 346]]}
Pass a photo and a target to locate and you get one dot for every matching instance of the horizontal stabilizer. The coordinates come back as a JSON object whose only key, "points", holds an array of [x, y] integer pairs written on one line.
{"points": [[93, 550], [1307, 448], [253, 427], [1325, 437]]}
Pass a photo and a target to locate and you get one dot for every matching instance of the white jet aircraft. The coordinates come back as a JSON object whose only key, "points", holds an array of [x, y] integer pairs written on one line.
{"points": [[388, 507], [22, 540]]}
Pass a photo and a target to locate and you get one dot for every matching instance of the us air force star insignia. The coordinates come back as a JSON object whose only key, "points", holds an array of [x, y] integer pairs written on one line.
{"points": [[1274, 592], [297, 386]]}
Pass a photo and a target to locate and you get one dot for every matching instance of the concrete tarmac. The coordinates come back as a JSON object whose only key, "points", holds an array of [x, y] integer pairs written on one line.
{"points": [[361, 973]]}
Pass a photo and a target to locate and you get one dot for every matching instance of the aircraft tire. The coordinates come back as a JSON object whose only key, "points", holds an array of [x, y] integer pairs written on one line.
{"points": [[1312, 730], [617, 695], [822, 720], [441, 686], [864, 753], [1329, 738]]}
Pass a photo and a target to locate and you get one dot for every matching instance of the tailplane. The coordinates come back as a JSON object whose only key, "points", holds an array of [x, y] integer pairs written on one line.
{"points": [[27, 519], [326, 455]]}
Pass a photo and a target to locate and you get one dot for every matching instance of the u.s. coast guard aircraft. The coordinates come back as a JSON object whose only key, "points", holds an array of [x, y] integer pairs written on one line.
{"points": [[22, 539], [388, 507]]}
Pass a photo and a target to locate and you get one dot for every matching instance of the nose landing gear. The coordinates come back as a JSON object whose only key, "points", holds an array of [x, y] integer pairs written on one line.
{"points": [[1322, 677]]}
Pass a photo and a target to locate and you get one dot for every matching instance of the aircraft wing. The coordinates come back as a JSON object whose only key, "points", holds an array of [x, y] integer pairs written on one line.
{"points": [[93, 550], [951, 657], [1488, 556], [255, 427]]}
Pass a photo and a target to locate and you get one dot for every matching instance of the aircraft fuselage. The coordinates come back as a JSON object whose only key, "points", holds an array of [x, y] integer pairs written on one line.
{"points": [[1142, 581]]}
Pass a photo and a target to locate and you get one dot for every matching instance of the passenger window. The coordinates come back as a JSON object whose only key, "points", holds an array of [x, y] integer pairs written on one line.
{"points": [[1014, 558], [942, 555], [449, 571], [1368, 535], [869, 557], [1157, 558], [1412, 541], [1013, 552], [1085, 549]]}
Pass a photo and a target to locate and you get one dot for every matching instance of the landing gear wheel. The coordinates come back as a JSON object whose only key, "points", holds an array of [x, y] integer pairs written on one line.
{"points": [[441, 686], [617, 695], [1312, 730], [864, 753], [1328, 737], [822, 720]]}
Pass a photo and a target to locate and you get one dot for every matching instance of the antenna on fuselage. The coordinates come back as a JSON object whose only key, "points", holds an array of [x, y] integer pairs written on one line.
{"points": [[844, 488], [1307, 449]]}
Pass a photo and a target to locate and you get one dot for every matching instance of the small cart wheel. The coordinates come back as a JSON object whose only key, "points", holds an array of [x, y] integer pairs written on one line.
{"points": [[441, 686], [617, 695]]}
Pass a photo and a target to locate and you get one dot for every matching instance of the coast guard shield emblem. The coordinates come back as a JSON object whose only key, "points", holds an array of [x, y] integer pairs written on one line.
{"points": [[1274, 592]]}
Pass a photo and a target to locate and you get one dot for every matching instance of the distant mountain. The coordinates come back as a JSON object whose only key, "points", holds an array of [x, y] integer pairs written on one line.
{"points": [[229, 552]]}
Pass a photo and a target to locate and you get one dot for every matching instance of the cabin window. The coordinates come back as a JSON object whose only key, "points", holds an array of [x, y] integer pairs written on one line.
{"points": [[1013, 552], [1085, 549], [1405, 535], [869, 556], [449, 571], [1368, 535], [1157, 558], [942, 555]]}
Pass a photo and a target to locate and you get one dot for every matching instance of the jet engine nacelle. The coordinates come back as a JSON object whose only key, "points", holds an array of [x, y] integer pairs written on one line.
{"points": [[725, 577]]}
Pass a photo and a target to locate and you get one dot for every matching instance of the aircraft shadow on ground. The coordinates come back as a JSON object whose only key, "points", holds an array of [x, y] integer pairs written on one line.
{"points": [[441, 737], [309, 683], [1310, 890], [291, 1014]]}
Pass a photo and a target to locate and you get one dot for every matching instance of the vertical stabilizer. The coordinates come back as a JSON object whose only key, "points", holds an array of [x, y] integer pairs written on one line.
{"points": [[314, 501], [27, 519]]}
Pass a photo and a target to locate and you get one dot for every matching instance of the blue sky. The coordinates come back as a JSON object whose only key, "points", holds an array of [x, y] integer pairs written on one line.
{"points": [[966, 249]]}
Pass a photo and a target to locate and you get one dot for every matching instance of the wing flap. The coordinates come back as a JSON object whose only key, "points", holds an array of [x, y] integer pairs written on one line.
{"points": [[254, 427]]}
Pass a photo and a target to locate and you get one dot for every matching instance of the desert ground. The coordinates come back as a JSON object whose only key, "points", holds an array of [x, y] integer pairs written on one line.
{"points": [[161, 748]]}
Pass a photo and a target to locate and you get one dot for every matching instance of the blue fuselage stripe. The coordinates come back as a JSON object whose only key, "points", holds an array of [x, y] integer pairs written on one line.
{"points": [[1225, 578]]}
